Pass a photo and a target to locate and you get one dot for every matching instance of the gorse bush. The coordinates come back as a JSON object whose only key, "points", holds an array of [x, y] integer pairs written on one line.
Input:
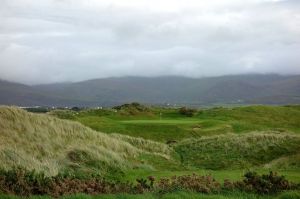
{"points": [[196, 183], [189, 112], [20, 181], [262, 184], [132, 109], [23, 182]]}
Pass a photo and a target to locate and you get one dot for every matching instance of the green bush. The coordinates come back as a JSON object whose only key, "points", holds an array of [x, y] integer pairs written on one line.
{"points": [[196, 183], [22, 182], [262, 184], [187, 111]]}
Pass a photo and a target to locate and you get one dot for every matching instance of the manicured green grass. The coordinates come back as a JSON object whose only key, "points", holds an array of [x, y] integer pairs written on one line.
{"points": [[219, 175], [162, 124], [165, 121]]}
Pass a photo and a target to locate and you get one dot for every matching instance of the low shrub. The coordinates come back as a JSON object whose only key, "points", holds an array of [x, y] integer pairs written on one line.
{"points": [[19, 181], [202, 184], [261, 184], [187, 111]]}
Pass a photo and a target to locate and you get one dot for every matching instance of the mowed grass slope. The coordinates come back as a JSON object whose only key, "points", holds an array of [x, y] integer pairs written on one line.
{"points": [[52, 145], [162, 124]]}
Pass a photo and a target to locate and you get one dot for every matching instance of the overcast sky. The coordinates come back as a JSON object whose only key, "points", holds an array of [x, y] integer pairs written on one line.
{"points": [[44, 41]]}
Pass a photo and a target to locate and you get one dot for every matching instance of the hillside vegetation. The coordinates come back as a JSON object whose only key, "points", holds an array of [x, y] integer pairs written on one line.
{"points": [[43, 142], [224, 142], [46, 143]]}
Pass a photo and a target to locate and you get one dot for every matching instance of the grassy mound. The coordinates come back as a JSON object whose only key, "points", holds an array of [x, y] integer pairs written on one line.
{"points": [[237, 151], [257, 118], [49, 144], [133, 109]]}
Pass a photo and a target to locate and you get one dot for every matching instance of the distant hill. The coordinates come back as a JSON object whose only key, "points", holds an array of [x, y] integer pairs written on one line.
{"points": [[236, 89], [22, 95]]}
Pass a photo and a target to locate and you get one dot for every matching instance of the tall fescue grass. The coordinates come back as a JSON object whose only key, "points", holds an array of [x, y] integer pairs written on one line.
{"points": [[49, 144]]}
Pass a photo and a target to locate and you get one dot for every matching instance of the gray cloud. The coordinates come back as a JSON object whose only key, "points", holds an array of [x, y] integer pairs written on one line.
{"points": [[63, 40]]}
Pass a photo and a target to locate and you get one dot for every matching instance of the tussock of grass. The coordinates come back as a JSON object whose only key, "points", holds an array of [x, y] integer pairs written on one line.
{"points": [[46, 143], [237, 151]]}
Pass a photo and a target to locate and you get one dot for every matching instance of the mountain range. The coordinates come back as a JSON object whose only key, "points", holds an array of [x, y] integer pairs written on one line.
{"points": [[231, 89]]}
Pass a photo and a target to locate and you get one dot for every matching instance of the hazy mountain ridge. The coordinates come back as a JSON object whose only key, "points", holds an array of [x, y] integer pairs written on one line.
{"points": [[265, 89]]}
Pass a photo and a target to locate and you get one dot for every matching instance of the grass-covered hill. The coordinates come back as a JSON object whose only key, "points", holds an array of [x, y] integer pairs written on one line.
{"points": [[184, 90], [52, 145], [233, 89]]}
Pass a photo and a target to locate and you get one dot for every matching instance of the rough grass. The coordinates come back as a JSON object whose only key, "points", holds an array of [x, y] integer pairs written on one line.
{"points": [[49, 144], [238, 151], [146, 145]]}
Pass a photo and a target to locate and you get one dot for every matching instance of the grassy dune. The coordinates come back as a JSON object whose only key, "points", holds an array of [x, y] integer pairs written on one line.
{"points": [[46, 143]]}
